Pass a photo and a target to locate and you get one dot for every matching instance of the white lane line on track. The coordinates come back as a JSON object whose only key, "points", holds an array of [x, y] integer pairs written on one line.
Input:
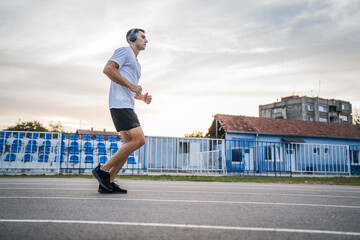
{"points": [[190, 226], [287, 188], [196, 192], [188, 201]]}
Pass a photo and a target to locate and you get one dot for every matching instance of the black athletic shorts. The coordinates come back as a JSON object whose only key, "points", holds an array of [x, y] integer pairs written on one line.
{"points": [[124, 119]]}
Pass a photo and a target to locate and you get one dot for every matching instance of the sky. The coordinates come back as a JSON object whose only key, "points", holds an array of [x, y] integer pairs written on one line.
{"points": [[203, 57]]}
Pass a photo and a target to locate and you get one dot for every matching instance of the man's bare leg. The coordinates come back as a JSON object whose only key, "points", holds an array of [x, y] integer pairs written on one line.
{"points": [[116, 169], [133, 139]]}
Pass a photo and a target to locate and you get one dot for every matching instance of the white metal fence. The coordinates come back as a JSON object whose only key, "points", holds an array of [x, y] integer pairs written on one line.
{"points": [[58, 152], [183, 154], [255, 157], [35, 152], [319, 158]]}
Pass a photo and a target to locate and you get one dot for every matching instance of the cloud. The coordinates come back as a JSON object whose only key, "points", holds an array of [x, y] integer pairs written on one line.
{"points": [[202, 58]]}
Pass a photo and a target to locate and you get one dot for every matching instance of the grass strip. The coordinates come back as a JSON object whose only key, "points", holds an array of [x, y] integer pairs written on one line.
{"points": [[352, 181]]}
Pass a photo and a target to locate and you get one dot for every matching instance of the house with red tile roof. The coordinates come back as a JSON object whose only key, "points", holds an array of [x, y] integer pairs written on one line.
{"points": [[267, 129], [256, 144]]}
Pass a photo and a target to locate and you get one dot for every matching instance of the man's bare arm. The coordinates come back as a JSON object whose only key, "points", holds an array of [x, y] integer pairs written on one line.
{"points": [[111, 70]]}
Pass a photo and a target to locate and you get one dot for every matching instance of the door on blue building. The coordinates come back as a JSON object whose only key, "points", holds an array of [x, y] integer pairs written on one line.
{"points": [[290, 152], [249, 163], [241, 159]]}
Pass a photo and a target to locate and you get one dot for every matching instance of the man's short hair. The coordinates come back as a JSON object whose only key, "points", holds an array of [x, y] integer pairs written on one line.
{"points": [[136, 31]]}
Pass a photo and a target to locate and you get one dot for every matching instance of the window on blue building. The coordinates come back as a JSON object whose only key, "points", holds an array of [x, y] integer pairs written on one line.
{"points": [[354, 156], [236, 155], [326, 150], [268, 153], [316, 150]]}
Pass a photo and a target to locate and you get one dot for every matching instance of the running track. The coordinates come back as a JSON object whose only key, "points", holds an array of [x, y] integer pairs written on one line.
{"points": [[48, 208]]}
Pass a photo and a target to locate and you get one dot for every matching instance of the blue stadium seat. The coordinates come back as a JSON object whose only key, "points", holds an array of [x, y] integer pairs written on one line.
{"points": [[74, 150], [34, 135], [48, 136], [74, 137], [102, 151], [112, 139], [30, 149], [2, 148], [100, 145], [45, 150], [113, 151], [63, 136], [74, 144], [20, 135], [17, 142], [63, 150], [99, 138], [87, 145], [5, 134], [87, 138], [43, 158], [113, 146], [46, 143], [74, 159], [3, 141], [131, 160], [10, 157], [31, 146], [15, 148], [28, 158], [89, 159], [103, 159], [32, 143], [89, 151]]}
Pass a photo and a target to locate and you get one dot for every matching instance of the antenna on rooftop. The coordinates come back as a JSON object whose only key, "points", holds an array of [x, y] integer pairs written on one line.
{"points": [[319, 88]]}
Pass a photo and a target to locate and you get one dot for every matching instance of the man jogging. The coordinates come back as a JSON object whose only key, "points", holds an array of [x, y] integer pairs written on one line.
{"points": [[124, 71]]}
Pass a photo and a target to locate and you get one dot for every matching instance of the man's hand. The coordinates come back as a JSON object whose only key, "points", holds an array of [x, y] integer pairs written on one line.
{"points": [[136, 89], [147, 98]]}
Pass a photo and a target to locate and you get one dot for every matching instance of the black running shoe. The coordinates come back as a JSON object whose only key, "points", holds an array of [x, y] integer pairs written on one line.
{"points": [[116, 189], [103, 178]]}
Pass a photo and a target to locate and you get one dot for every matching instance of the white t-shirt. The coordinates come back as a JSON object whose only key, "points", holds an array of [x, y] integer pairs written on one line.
{"points": [[129, 68]]}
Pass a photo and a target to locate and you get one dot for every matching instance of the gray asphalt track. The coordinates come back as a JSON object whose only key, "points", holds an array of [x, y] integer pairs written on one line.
{"points": [[48, 208]]}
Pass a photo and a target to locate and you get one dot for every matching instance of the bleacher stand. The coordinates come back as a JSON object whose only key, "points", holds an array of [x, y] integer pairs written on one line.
{"points": [[44, 150]]}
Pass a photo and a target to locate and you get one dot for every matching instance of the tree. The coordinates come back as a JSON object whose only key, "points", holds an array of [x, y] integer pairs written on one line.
{"points": [[28, 126], [356, 117], [56, 127], [196, 133]]}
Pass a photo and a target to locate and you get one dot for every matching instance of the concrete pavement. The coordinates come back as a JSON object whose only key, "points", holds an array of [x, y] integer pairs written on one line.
{"points": [[51, 208]]}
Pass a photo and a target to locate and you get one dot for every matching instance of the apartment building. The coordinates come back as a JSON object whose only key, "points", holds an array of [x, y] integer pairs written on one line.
{"points": [[308, 109]]}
